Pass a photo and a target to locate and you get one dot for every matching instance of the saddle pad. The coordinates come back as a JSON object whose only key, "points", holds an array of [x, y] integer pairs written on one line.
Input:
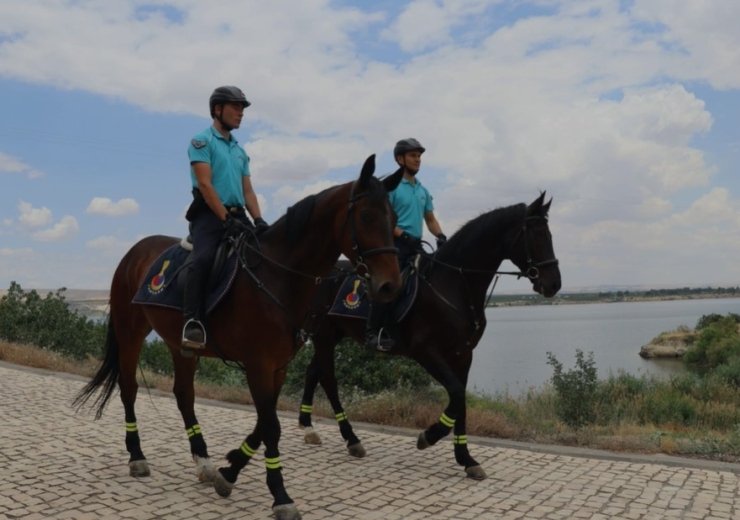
{"points": [[352, 300], [161, 288]]}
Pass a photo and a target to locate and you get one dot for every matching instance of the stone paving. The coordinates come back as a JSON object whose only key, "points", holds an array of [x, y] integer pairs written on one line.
{"points": [[57, 464]]}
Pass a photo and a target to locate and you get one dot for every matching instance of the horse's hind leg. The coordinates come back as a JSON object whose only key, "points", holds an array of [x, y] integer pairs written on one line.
{"points": [[130, 342], [184, 391]]}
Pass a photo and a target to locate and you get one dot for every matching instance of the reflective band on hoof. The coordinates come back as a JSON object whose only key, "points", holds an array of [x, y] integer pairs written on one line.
{"points": [[247, 450], [131, 427], [341, 416], [447, 421], [272, 463], [306, 408], [195, 430], [460, 439]]}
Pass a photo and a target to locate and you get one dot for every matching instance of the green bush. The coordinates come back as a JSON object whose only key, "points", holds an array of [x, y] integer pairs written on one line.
{"points": [[718, 341], [48, 323], [359, 369], [575, 389]]}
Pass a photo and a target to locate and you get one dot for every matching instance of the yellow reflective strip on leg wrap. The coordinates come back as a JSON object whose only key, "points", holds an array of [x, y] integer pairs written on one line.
{"points": [[306, 408], [190, 432], [272, 463], [247, 450], [341, 417], [131, 427], [447, 421], [460, 439], [196, 429]]}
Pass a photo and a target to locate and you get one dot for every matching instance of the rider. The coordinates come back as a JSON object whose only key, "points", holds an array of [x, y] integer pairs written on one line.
{"points": [[222, 187], [412, 203]]}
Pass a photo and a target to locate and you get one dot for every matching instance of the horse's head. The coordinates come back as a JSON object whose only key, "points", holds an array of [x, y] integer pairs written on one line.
{"points": [[532, 251], [367, 232]]}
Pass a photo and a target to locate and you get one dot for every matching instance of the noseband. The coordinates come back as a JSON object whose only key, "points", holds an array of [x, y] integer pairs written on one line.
{"points": [[533, 269], [361, 255]]}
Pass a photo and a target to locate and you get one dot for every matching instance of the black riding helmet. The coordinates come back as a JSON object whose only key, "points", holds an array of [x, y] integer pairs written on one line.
{"points": [[406, 145], [227, 95]]}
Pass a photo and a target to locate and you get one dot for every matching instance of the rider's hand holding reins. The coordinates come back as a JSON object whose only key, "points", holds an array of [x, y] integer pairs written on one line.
{"points": [[260, 225], [234, 227]]}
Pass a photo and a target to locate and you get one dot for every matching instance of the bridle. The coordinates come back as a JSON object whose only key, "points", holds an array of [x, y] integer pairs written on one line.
{"points": [[359, 253], [533, 269]]}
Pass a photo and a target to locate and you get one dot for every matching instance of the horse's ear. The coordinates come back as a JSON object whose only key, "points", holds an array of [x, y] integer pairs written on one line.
{"points": [[546, 207], [391, 182], [536, 207], [368, 169]]}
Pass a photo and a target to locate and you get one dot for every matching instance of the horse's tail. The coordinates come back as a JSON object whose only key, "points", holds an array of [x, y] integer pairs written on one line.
{"points": [[106, 377]]}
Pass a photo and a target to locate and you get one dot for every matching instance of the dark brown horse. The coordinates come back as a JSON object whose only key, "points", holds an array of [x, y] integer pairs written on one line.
{"points": [[257, 324], [446, 321]]}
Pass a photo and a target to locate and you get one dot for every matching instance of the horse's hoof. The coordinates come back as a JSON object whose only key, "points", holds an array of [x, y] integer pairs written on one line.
{"points": [[222, 486], [422, 443], [476, 473], [139, 468], [204, 468], [311, 437], [357, 450], [286, 512]]}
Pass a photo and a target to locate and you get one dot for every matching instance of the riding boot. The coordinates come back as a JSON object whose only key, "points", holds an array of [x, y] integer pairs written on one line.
{"points": [[375, 336], [193, 333]]}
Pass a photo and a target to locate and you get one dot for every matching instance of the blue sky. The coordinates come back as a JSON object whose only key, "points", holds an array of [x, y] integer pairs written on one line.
{"points": [[624, 111]]}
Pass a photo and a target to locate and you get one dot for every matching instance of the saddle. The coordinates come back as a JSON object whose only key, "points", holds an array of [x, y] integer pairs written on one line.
{"points": [[352, 300], [164, 282]]}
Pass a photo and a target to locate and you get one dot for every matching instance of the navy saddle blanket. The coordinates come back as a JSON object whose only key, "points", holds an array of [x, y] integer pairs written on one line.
{"points": [[162, 286], [352, 301]]}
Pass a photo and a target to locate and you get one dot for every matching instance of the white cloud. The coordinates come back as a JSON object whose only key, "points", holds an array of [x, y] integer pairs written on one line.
{"points": [[7, 222], [109, 245], [8, 252], [31, 217], [9, 164], [65, 229], [108, 208]]}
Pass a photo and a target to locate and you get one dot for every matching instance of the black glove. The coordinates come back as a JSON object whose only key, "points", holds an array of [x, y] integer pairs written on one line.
{"points": [[234, 227], [441, 239], [260, 225]]}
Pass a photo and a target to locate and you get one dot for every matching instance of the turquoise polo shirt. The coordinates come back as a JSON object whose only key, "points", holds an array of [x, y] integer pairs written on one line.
{"points": [[229, 163], [411, 202]]}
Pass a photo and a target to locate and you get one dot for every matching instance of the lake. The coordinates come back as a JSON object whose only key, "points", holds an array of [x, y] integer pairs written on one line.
{"points": [[511, 356]]}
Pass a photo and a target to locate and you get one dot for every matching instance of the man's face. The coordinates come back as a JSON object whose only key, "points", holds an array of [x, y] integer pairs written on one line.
{"points": [[231, 114], [412, 161]]}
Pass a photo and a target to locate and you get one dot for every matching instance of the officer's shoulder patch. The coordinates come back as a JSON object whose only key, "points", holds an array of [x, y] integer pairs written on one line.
{"points": [[198, 144]]}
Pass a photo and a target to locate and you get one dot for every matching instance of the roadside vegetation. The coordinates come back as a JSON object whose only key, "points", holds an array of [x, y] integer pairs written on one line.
{"points": [[693, 414]]}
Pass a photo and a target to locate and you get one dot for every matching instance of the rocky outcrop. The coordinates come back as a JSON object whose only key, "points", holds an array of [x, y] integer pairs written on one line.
{"points": [[668, 345]]}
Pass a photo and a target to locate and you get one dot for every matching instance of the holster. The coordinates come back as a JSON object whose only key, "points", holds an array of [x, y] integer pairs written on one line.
{"points": [[199, 204]]}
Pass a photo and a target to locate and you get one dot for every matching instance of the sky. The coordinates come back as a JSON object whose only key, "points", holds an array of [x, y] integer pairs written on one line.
{"points": [[625, 112]]}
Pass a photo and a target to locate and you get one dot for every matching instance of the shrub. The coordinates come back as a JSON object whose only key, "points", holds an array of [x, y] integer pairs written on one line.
{"points": [[575, 389], [357, 368]]}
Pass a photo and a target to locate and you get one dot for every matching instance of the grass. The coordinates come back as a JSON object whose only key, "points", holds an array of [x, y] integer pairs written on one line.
{"points": [[684, 415]]}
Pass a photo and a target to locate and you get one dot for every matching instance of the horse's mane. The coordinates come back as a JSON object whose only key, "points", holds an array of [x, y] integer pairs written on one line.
{"points": [[483, 227], [297, 217]]}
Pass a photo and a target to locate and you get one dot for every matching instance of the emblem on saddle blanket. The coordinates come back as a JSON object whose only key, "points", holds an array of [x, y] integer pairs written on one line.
{"points": [[352, 300], [161, 285]]}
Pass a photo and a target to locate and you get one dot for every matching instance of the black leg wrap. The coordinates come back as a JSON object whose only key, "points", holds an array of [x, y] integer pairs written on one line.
{"points": [[436, 432], [345, 428], [304, 419], [276, 487], [462, 456], [238, 460], [133, 446], [198, 446]]}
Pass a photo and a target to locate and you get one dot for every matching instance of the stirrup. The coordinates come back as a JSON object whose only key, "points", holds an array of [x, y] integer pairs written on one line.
{"points": [[189, 343], [379, 343]]}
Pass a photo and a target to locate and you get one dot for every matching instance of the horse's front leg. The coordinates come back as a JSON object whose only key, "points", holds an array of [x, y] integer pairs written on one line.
{"points": [[184, 391], [462, 455], [264, 385], [322, 369], [443, 373]]}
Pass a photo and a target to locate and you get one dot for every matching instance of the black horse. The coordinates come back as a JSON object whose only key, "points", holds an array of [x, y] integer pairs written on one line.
{"points": [[447, 320]]}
